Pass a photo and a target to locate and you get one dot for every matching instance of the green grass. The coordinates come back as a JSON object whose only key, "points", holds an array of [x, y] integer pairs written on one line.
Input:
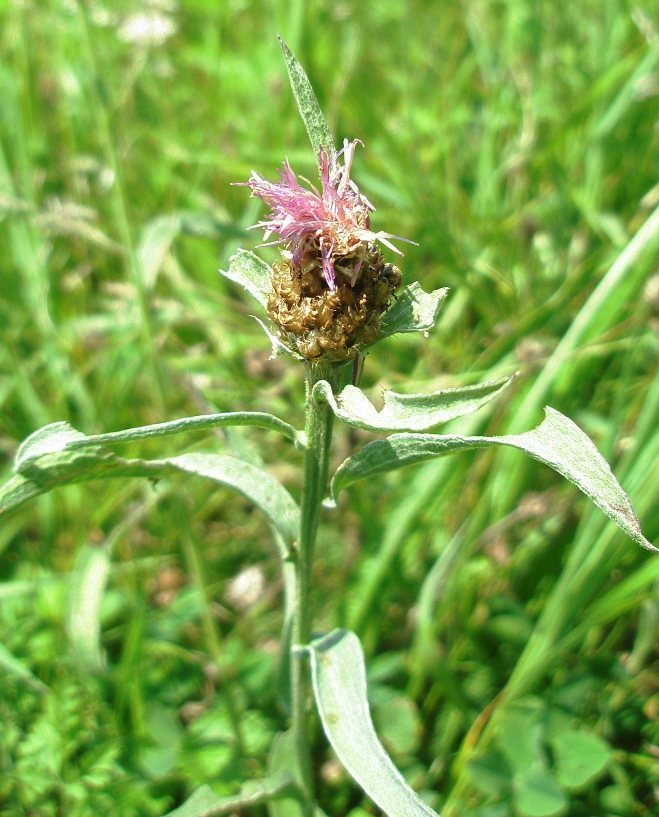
{"points": [[517, 143]]}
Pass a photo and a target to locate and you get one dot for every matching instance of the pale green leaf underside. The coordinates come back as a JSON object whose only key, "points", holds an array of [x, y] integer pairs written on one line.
{"points": [[556, 442], [42, 465], [414, 311], [339, 688], [205, 803], [408, 412], [251, 273], [310, 111], [59, 436]]}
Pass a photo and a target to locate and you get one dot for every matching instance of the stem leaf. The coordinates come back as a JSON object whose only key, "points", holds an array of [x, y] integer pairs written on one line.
{"points": [[307, 103], [205, 803], [556, 442], [339, 688], [251, 273], [408, 412], [43, 464], [414, 311]]}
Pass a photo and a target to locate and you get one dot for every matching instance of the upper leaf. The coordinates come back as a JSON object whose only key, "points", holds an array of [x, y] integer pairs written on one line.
{"points": [[414, 311], [557, 442], [339, 688], [66, 456], [252, 274], [408, 412], [310, 111]]}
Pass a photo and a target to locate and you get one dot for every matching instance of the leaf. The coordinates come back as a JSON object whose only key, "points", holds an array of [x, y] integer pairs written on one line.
{"points": [[490, 772], [339, 687], [413, 311], [283, 757], [154, 244], [537, 794], [60, 436], [251, 273], [580, 757], [83, 620], [42, 470], [408, 412], [312, 116], [556, 442], [205, 803]]}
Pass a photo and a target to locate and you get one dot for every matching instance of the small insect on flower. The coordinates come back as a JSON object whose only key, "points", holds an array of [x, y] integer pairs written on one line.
{"points": [[333, 285]]}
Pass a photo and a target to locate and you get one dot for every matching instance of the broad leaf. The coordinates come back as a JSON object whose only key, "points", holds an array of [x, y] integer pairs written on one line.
{"points": [[537, 794], [408, 412], [40, 470], [556, 442], [580, 757], [413, 311], [251, 273], [312, 116], [339, 688], [205, 803]]}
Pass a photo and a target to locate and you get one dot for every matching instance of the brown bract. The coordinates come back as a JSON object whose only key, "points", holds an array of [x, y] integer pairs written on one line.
{"points": [[332, 323]]}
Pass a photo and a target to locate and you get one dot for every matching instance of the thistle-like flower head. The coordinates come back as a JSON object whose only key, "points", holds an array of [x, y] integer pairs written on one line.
{"points": [[334, 221], [332, 285]]}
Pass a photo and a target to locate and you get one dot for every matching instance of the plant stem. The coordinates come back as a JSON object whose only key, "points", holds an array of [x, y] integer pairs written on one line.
{"points": [[318, 430]]}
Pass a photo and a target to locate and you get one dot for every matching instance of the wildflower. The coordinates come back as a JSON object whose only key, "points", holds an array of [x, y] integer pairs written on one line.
{"points": [[333, 283]]}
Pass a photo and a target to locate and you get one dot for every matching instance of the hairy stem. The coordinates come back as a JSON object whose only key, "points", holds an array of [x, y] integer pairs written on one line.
{"points": [[318, 430]]}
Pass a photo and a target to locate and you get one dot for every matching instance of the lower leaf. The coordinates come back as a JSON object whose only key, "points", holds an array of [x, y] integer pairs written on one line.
{"points": [[339, 688]]}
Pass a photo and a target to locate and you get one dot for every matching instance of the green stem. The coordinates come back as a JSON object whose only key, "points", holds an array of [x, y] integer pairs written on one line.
{"points": [[318, 431]]}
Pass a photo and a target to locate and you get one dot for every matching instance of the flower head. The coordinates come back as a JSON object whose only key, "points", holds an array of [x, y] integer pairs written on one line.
{"points": [[333, 285], [335, 221]]}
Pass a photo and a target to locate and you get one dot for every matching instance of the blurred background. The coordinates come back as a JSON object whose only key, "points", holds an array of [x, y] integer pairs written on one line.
{"points": [[516, 142]]}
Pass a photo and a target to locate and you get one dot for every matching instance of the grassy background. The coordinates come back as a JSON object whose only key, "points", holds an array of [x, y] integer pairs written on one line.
{"points": [[517, 143]]}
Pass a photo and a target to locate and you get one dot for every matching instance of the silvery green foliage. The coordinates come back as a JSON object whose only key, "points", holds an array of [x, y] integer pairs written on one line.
{"points": [[556, 442], [59, 455], [339, 686], [408, 412], [205, 803], [314, 120], [251, 273]]}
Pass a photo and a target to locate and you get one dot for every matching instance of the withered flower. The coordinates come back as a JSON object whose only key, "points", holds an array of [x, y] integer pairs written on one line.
{"points": [[332, 285]]}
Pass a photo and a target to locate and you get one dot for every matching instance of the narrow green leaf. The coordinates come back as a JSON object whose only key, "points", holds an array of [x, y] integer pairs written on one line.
{"points": [[556, 442], [205, 803], [44, 466], [413, 311], [339, 687], [59, 436], [312, 116], [408, 412], [251, 273], [154, 244]]}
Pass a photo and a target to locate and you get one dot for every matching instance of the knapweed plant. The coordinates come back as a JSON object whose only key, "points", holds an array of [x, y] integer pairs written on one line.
{"points": [[331, 296]]}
